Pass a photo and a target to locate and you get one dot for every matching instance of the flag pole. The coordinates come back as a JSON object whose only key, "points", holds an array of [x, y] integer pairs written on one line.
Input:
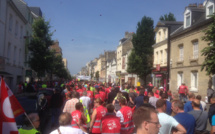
{"points": [[29, 120]]}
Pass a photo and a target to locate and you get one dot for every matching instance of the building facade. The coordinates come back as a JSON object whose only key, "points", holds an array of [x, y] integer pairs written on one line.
{"points": [[186, 46], [14, 45], [159, 71]]}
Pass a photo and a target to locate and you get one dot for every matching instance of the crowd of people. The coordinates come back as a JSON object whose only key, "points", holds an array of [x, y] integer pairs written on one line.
{"points": [[100, 108]]}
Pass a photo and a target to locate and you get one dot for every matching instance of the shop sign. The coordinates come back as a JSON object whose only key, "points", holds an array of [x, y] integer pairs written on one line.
{"points": [[158, 75]]}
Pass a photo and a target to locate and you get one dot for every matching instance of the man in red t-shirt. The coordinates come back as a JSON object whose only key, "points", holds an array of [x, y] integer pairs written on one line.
{"points": [[183, 91]]}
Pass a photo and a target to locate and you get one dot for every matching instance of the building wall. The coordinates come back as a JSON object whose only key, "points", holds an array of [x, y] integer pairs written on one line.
{"points": [[14, 47], [189, 64], [65, 63], [119, 58], [160, 55], [2, 26]]}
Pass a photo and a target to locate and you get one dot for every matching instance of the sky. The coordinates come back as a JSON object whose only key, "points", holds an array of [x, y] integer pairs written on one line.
{"points": [[87, 28]]}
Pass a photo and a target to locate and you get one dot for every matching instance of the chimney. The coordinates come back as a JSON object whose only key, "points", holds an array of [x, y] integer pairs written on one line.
{"points": [[201, 5], [193, 5]]}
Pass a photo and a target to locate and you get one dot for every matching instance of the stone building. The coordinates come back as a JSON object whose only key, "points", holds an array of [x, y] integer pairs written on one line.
{"points": [[186, 46], [159, 71], [124, 46]]}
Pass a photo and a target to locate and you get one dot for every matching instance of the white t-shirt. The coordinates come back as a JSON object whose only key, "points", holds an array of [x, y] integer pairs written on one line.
{"points": [[203, 105], [85, 101], [68, 130], [167, 122]]}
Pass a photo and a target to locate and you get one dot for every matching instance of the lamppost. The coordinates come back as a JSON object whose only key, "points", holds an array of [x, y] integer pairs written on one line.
{"points": [[168, 53]]}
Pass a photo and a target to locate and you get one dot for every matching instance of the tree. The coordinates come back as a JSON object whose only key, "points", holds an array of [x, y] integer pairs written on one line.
{"points": [[97, 75], [209, 51], [142, 41], [168, 17], [39, 47], [134, 62]]}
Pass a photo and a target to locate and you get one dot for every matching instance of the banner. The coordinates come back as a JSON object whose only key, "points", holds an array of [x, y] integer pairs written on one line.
{"points": [[7, 121]]}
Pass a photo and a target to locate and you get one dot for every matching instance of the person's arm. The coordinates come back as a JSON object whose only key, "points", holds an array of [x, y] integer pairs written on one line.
{"points": [[93, 119], [131, 100], [80, 126], [181, 129], [113, 102], [212, 130], [84, 118]]}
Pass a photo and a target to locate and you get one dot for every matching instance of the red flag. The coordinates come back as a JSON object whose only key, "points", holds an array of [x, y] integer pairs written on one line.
{"points": [[7, 121], [16, 107]]}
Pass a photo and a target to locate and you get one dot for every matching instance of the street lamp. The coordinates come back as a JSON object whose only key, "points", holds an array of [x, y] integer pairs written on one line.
{"points": [[168, 53]]}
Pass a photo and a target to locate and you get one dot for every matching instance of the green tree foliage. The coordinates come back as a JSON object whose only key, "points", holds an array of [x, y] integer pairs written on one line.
{"points": [[39, 47], [209, 51], [142, 41], [168, 17], [97, 75], [134, 62]]}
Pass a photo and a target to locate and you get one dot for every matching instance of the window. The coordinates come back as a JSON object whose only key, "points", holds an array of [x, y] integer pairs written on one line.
{"points": [[188, 20], [159, 36], [21, 32], [157, 57], [195, 50], [164, 33], [210, 10], [161, 57], [8, 52], [16, 28], [179, 78], [165, 58], [20, 58], [194, 80], [181, 53], [14, 56], [10, 22]]}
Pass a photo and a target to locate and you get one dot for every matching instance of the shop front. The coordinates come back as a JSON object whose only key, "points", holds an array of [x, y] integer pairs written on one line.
{"points": [[159, 75]]}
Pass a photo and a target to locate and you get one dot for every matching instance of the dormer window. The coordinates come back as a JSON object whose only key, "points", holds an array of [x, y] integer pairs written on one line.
{"points": [[188, 20], [210, 10]]}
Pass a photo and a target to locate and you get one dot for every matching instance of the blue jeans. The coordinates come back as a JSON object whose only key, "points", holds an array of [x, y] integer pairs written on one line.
{"points": [[183, 97]]}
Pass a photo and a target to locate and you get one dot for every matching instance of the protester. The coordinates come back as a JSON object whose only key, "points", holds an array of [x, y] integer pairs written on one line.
{"points": [[65, 127], [213, 125], [211, 111], [183, 91], [188, 105], [185, 119], [139, 100], [152, 99], [125, 115], [30, 127], [110, 124], [146, 123], [112, 95], [200, 116], [146, 102], [116, 101], [210, 92], [203, 104], [85, 100], [56, 104], [70, 104], [168, 104], [167, 122], [132, 96], [97, 114], [78, 115]]}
